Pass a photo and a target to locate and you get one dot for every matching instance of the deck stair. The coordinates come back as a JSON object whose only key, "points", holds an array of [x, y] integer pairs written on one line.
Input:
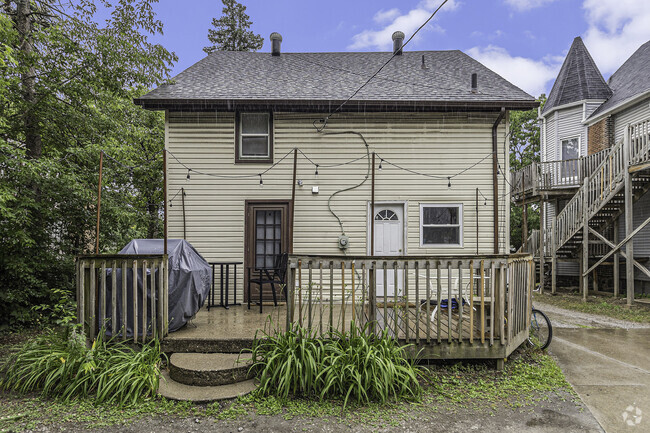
{"points": [[601, 197], [206, 377]]}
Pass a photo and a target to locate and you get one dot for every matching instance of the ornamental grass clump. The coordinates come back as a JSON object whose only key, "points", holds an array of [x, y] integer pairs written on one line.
{"points": [[354, 365], [60, 365]]}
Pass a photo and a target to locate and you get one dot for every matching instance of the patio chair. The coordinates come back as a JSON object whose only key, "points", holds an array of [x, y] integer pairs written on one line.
{"points": [[275, 275]]}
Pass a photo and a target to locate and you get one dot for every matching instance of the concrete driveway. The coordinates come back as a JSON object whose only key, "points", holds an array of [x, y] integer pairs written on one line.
{"points": [[608, 364]]}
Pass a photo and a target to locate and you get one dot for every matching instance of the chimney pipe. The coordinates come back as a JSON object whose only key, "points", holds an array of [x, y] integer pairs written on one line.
{"points": [[398, 39], [276, 41], [474, 83]]}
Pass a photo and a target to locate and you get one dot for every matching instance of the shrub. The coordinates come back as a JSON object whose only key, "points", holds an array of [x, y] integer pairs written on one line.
{"points": [[59, 364], [353, 365]]}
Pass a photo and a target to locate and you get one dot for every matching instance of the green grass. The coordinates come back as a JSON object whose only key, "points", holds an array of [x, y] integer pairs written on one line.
{"points": [[609, 307]]}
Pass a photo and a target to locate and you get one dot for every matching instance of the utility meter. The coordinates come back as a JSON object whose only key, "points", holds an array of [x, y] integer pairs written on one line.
{"points": [[343, 242]]}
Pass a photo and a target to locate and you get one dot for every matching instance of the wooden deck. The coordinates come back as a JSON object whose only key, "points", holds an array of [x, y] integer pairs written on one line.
{"points": [[331, 293], [235, 329]]}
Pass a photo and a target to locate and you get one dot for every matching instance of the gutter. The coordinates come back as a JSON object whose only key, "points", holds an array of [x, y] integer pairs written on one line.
{"points": [[302, 105], [495, 179]]}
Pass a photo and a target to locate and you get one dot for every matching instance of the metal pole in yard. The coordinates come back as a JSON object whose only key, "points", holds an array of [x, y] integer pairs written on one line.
{"points": [[477, 239], [372, 208], [99, 199], [183, 205], [293, 197], [165, 198]]}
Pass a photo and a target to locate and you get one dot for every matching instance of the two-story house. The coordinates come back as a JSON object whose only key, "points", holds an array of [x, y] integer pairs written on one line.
{"points": [[436, 122]]}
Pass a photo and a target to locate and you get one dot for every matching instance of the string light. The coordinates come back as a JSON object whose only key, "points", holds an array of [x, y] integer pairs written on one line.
{"points": [[316, 173], [188, 173], [261, 181], [380, 161], [449, 182]]}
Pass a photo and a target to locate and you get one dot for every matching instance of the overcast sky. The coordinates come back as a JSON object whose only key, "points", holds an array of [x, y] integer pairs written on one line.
{"points": [[525, 41]]}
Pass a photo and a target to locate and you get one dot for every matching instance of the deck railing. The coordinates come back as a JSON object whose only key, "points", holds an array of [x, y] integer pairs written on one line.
{"points": [[123, 295], [549, 175], [490, 296]]}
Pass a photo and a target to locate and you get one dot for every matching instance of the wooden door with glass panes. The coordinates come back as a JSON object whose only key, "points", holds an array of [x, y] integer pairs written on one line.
{"points": [[267, 236]]}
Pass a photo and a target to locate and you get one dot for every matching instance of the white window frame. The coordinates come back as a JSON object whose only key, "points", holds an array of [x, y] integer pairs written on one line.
{"points": [[459, 225], [559, 147], [240, 149]]}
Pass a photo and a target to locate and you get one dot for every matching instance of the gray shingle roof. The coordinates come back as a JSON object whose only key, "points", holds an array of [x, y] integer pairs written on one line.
{"points": [[579, 79], [295, 77], [631, 79]]}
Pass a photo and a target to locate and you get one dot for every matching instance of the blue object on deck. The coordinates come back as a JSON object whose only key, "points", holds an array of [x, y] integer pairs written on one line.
{"points": [[454, 303]]}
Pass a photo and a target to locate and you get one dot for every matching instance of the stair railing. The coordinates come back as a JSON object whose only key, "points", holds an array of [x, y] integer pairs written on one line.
{"points": [[601, 185]]}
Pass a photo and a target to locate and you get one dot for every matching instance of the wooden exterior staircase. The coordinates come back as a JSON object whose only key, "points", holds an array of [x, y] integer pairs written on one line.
{"points": [[601, 188]]}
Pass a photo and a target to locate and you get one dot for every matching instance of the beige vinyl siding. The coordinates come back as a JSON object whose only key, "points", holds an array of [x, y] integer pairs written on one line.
{"points": [[438, 144]]}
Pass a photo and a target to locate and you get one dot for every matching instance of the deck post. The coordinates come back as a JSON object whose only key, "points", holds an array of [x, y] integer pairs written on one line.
{"points": [[99, 199], [372, 297], [585, 239], [629, 221], [617, 264], [553, 259], [542, 238]]}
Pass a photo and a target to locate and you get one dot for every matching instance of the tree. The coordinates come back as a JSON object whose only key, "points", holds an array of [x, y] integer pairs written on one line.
{"points": [[231, 32], [524, 150], [66, 90]]}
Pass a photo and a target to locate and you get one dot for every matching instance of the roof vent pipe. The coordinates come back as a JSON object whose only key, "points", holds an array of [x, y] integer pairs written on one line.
{"points": [[474, 83], [398, 39], [276, 41], [424, 64]]}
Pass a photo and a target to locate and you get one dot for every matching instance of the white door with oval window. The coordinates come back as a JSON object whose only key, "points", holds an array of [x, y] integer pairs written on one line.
{"points": [[389, 241]]}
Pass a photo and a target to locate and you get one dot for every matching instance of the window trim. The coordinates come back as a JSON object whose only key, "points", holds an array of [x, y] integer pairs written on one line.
{"points": [[559, 147], [460, 225], [239, 159]]}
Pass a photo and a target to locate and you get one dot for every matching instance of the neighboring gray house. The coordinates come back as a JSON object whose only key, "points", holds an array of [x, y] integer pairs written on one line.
{"points": [[589, 127]]}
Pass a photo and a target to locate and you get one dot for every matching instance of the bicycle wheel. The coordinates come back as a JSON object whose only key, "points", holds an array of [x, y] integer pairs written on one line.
{"points": [[541, 331]]}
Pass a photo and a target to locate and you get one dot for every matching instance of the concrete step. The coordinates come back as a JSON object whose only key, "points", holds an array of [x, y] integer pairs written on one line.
{"points": [[209, 369], [173, 390], [206, 345]]}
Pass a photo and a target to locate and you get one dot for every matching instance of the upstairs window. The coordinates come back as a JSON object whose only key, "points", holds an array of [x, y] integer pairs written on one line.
{"points": [[254, 137], [441, 225]]}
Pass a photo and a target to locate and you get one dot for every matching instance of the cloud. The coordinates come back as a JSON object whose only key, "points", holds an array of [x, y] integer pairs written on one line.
{"points": [[524, 5], [533, 76], [394, 20], [616, 28], [384, 16]]}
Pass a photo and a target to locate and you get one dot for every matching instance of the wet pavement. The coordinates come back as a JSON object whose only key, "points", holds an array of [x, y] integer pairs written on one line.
{"points": [[609, 368]]}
